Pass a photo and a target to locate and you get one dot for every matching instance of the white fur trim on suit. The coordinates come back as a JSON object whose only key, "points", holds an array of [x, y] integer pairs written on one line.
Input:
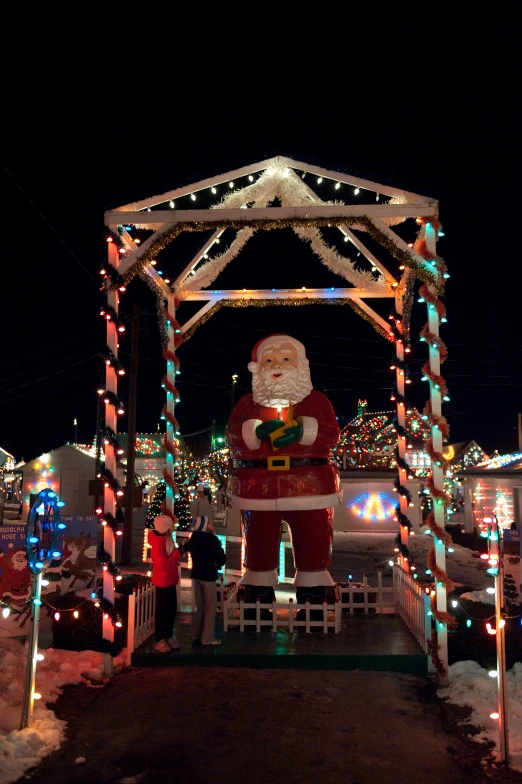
{"points": [[248, 431], [268, 578], [304, 502], [310, 427], [310, 579]]}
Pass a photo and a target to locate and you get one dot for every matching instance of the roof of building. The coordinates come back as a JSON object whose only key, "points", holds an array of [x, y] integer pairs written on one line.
{"points": [[505, 465]]}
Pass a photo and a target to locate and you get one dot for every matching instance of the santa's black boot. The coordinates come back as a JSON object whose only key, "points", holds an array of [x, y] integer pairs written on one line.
{"points": [[315, 595], [266, 595]]}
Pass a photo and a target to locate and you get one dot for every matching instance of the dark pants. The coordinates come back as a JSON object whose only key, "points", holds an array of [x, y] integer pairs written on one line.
{"points": [[166, 606]]}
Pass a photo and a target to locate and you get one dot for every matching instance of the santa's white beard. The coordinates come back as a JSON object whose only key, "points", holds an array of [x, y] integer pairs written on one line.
{"points": [[293, 386], [19, 564]]}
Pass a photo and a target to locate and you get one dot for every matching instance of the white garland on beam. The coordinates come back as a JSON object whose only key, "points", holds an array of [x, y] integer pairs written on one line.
{"points": [[207, 274], [338, 264], [283, 184]]}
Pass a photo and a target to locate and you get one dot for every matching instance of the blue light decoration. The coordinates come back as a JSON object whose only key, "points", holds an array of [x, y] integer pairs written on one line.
{"points": [[374, 507], [40, 546], [42, 528]]}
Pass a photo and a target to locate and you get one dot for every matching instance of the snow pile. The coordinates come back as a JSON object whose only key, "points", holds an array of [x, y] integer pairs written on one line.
{"points": [[479, 596], [470, 685], [22, 749]]}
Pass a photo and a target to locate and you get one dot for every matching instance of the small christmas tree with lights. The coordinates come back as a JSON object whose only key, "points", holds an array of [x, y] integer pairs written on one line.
{"points": [[156, 503], [181, 504], [511, 595]]}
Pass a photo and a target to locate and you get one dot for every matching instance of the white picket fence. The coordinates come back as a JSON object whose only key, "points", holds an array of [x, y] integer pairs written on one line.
{"points": [[223, 591], [234, 612], [142, 612], [366, 599], [413, 604]]}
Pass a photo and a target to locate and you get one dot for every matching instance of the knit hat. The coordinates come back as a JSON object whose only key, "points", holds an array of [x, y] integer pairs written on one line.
{"points": [[200, 524], [278, 337], [162, 523]]}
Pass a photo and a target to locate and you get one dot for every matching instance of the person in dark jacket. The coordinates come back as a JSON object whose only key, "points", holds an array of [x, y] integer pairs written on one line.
{"points": [[207, 557]]}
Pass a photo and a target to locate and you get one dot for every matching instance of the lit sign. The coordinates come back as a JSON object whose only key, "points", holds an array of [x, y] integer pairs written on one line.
{"points": [[373, 506]]}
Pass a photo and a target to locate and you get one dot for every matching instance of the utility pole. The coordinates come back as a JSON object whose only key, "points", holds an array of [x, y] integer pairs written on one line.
{"points": [[131, 439], [213, 435], [75, 430], [233, 392]]}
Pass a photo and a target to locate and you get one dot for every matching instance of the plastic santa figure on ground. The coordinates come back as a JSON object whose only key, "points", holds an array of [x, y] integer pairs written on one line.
{"points": [[15, 577], [281, 437]]}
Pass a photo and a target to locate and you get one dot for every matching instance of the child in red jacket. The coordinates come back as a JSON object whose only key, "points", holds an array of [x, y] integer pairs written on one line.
{"points": [[165, 574]]}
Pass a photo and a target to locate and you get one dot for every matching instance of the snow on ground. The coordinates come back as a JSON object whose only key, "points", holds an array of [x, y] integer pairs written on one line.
{"points": [[470, 685], [22, 749], [479, 596], [367, 550]]}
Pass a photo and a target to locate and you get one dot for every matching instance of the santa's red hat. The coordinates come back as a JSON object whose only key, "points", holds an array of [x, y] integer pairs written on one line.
{"points": [[276, 339]]}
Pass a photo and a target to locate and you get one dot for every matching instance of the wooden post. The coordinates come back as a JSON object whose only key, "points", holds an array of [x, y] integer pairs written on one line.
{"points": [[109, 498], [131, 439], [437, 470]]}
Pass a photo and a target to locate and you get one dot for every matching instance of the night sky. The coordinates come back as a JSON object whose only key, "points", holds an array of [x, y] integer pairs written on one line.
{"points": [[70, 157]]}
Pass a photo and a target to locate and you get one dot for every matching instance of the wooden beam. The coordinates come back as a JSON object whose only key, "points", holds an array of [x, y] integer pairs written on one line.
{"points": [[196, 317], [148, 269], [400, 243], [158, 280], [197, 258], [209, 182], [368, 185], [250, 216], [355, 240], [215, 295], [375, 316]]}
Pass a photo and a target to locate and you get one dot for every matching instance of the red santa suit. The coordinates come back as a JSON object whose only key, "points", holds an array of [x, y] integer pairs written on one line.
{"points": [[297, 483]]}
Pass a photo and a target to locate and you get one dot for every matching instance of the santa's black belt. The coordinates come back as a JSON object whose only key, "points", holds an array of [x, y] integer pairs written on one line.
{"points": [[281, 462]]}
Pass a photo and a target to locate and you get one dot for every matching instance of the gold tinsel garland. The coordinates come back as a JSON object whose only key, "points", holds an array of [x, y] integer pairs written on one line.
{"points": [[296, 301], [407, 258]]}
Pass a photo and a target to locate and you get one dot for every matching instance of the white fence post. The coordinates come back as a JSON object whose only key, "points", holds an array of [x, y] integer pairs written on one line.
{"points": [[140, 617]]}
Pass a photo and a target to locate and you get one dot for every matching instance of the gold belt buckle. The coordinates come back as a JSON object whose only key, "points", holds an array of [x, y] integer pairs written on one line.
{"points": [[278, 463]]}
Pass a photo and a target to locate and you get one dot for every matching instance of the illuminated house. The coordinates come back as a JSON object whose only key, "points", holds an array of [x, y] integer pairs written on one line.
{"points": [[465, 454], [369, 440], [493, 487], [66, 470], [150, 457], [7, 461]]}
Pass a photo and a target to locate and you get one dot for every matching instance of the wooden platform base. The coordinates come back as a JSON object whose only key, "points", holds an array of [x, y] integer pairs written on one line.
{"points": [[365, 643]]}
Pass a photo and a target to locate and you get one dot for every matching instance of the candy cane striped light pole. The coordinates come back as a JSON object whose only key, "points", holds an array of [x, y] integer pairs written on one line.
{"points": [[402, 467], [169, 383], [109, 497], [437, 465]]}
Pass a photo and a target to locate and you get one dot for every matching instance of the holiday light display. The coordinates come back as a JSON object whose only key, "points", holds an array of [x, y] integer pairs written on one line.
{"points": [[369, 440], [303, 211], [43, 523], [373, 506], [501, 461]]}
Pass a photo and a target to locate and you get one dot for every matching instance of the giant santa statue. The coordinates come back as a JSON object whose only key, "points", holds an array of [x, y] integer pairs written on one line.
{"points": [[280, 438]]}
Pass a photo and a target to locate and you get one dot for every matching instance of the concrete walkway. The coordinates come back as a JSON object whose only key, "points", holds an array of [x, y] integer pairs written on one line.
{"points": [[208, 726]]}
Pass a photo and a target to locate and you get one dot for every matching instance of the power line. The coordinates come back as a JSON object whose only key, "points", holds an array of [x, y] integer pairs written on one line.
{"points": [[58, 237], [52, 348]]}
